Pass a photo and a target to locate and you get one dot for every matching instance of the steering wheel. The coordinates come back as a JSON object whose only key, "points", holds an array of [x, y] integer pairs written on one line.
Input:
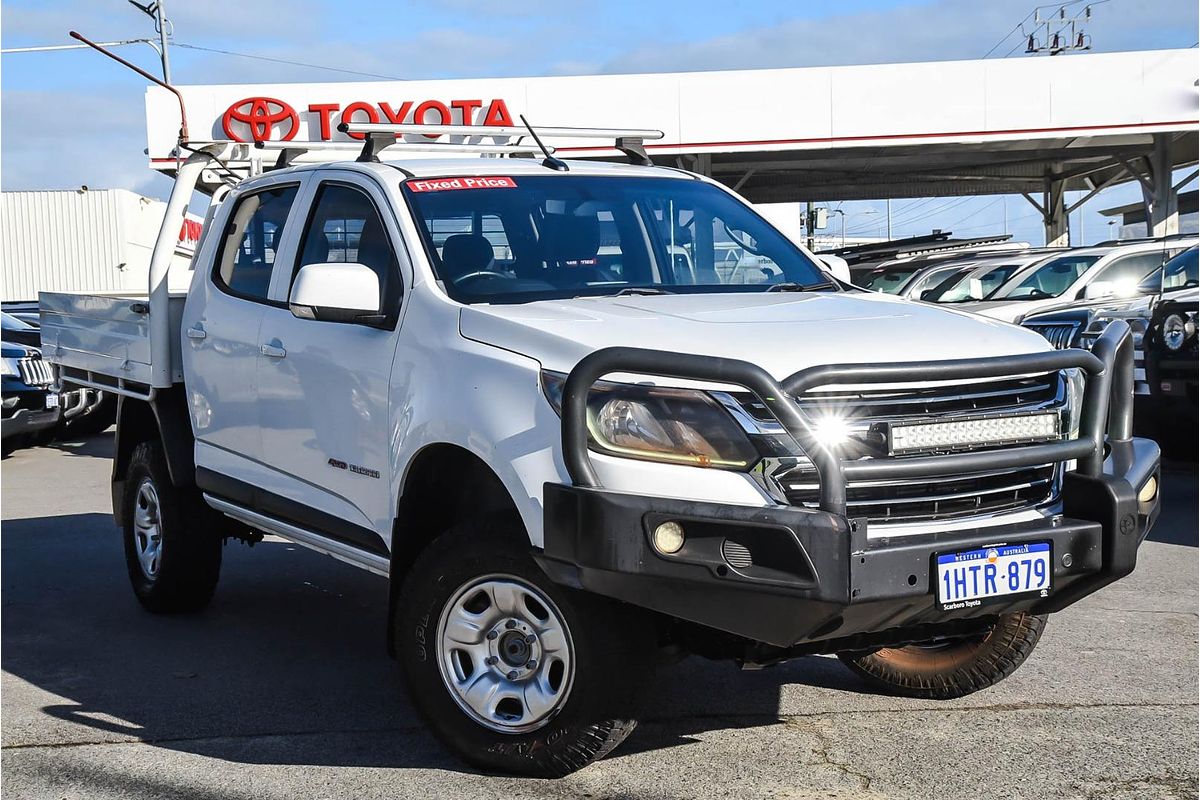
{"points": [[480, 273]]}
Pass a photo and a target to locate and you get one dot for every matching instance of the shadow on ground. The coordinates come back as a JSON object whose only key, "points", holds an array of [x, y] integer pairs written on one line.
{"points": [[292, 644]]}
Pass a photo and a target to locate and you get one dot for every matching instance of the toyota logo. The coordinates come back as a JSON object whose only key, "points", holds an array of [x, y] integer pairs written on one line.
{"points": [[261, 115]]}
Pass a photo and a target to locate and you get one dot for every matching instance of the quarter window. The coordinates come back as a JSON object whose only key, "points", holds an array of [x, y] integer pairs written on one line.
{"points": [[252, 238]]}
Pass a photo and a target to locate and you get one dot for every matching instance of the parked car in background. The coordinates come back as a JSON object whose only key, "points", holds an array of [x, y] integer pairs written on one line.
{"points": [[13, 329], [1093, 273], [909, 276], [978, 280], [1080, 324], [85, 411], [31, 408], [1171, 368]]}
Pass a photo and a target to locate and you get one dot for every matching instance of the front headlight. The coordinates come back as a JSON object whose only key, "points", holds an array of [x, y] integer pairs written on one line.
{"points": [[8, 366], [1176, 330], [675, 426]]}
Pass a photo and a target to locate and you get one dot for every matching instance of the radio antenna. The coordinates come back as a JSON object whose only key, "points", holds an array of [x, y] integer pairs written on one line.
{"points": [[183, 126], [550, 161]]}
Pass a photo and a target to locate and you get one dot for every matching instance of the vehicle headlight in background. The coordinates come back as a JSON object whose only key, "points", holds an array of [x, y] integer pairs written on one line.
{"points": [[1176, 330], [8, 366], [676, 426]]}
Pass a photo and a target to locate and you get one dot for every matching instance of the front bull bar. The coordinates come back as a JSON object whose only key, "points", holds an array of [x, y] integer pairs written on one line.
{"points": [[1107, 407]]}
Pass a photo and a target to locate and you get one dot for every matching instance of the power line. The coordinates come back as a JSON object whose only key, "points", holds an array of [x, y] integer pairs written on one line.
{"points": [[287, 61]]}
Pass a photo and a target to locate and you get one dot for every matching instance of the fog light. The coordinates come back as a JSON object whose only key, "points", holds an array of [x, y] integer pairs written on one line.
{"points": [[1148, 491], [668, 538]]}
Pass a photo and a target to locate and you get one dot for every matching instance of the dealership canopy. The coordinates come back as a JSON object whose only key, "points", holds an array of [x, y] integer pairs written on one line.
{"points": [[1034, 126]]}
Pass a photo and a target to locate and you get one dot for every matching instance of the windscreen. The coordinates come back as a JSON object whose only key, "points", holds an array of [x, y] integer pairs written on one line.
{"points": [[890, 280], [1049, 279], [516, 239], [1181, 272], [975, 285]]}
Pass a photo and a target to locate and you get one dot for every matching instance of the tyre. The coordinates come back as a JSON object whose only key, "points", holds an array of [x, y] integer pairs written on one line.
{"points": [[172, 549], [512, 672], [953, 668]]}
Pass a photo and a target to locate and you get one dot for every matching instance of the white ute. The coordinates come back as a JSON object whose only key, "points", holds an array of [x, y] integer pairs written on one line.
{"points": [[582, 413]]}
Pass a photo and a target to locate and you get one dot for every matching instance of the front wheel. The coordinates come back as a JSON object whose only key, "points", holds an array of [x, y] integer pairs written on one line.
{"points": [[512, 672], [943, 670]]}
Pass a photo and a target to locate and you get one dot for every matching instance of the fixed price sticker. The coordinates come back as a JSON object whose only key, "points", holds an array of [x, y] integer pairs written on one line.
{"points": [[450, 184]]}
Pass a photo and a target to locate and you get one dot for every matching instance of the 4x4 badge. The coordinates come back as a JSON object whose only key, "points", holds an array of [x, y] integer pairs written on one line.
{"points": [[355, 468]]}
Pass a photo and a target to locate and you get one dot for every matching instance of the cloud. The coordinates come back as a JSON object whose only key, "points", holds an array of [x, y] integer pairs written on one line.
{"points": [[107, 154]]}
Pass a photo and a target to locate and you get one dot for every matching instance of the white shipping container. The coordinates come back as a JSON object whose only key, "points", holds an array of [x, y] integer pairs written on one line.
{"points": [[85, 241]]}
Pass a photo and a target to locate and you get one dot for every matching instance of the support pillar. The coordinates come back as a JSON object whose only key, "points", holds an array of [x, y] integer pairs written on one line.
{"points": [[1159, 196], [1055, 221]]}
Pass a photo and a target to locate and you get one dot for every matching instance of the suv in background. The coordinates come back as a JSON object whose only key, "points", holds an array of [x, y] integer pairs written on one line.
{"points": [[31, 407], [1092, 273]]}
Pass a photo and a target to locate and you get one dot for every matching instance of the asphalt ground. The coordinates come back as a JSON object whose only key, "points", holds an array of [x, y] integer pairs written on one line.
{"points": [[283, 689]]}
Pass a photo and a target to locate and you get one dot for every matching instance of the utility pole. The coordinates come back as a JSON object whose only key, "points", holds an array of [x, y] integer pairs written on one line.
{"points": [[810, 223], [158, 13], [1059, 33], [889, 216]]}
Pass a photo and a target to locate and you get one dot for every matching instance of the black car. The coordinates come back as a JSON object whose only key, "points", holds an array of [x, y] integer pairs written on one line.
{"points": [[1171, 363], [31, 407], [84, 411]]}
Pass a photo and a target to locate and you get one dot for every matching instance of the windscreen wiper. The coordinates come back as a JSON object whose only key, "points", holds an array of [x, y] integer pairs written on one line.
{"points": [[798, 287], [640, 290]]}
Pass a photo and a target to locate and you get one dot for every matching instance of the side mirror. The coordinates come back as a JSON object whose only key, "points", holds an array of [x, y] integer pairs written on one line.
{"points": [[837, 266], [929, 295], [338, 292], [1099, 290]]}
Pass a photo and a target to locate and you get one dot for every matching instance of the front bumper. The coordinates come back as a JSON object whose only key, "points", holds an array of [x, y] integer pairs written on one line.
{"points": [[815, 576], [25, 421], [788, 576]]}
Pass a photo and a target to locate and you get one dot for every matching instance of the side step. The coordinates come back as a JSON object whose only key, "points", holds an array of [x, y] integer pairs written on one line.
{"points": [[302, 536]]}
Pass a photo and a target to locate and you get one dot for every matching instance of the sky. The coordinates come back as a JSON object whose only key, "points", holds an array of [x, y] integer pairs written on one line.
{"points": [[40, 93]]}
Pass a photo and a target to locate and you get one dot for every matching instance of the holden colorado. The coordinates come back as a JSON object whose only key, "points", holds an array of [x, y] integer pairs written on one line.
{"points": [[582, 414]]}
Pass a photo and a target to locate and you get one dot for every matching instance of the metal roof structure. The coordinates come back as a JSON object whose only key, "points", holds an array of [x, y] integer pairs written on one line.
{"points": [[1035, 126]]}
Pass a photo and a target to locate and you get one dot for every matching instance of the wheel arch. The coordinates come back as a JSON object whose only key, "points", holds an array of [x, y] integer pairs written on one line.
{"points": [[164, 418], [444, 485]]}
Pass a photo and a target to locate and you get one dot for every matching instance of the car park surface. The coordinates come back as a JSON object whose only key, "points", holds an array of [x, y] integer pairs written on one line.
{"points": [[283, 689]]}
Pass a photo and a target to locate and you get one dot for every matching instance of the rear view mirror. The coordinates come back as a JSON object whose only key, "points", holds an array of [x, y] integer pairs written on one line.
{"points": [[337, 292]]}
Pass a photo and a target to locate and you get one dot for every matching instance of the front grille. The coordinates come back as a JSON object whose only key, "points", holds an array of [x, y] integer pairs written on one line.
{"points": [[870, 412], [932, 498], [1059, 334], [35, 372], [1003, 395]]}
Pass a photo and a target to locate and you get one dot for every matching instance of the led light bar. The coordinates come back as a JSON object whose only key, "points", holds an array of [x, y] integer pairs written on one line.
{"points": [[967, 433]]}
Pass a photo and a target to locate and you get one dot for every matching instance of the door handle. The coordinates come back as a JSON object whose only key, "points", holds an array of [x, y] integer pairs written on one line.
{"points": [[196, 332], [272, 350]]}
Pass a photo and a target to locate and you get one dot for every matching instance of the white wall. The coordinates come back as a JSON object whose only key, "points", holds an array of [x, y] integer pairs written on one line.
{"points": [[82, 241]]}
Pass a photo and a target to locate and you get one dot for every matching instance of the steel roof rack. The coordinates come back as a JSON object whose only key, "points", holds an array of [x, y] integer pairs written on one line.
{"points": [[382, 135]]}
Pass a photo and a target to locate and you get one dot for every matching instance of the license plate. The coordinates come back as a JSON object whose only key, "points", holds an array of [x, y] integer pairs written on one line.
{"points": [[973, 577], [51, 401]]}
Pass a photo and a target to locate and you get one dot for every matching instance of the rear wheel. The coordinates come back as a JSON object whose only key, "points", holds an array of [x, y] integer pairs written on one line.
{"points": [[513, 672], [172, 549], [943, 670]]}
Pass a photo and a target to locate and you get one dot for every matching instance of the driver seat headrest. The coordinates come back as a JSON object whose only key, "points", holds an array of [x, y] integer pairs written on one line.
{"points": [[464, 253], [570, 238]]}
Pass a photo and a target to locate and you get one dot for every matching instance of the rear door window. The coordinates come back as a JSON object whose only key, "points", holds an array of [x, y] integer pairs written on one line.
{"points": [[252, 237]]}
